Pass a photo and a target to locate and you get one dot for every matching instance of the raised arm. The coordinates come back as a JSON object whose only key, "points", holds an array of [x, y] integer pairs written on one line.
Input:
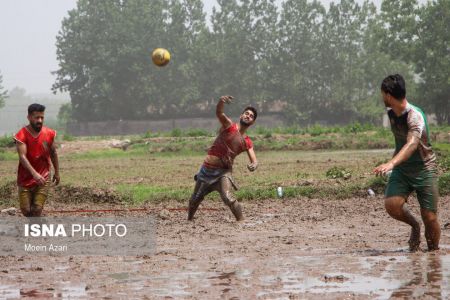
{"points": [[22, 151], [223, 119]]}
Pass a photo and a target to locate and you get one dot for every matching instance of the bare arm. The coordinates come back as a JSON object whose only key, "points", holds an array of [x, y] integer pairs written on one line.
{"points": [[22, 151], [55, 162], [407, 150], [223, 119], [253, 162]]}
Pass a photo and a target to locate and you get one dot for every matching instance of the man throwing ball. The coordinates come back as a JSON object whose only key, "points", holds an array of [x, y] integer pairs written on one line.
{"points": [[215, 173], [413, 165], [36, 148]]}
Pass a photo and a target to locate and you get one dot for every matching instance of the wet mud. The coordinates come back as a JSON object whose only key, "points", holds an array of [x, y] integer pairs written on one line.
{"points": [[286, 249]]}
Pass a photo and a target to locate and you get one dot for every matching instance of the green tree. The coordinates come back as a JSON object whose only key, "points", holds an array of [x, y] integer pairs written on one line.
{"points": [[432, 57], [104, 50], [242, 35], [344, 85], [297, 62], [377, 64], [419, 35]]}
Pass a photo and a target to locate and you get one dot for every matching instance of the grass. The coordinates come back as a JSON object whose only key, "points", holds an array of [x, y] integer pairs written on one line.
{"points": [[143, 193], [8, 155], [160, 166], [6, 141], [141, 176]]}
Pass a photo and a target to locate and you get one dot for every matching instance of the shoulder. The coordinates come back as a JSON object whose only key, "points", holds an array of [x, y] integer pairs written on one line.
{"points": [[21, 135], [23, 130], [248, 142], [48, 131], [232, 128], [415, 116]]}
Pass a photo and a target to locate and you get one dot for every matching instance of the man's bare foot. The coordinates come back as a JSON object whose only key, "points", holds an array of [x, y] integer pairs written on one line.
{"points": [[414, 239], [434, 250]]}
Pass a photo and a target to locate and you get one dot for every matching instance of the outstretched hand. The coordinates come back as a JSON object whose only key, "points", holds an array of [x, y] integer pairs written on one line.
{"points": [[226, 99], [381, 170]]}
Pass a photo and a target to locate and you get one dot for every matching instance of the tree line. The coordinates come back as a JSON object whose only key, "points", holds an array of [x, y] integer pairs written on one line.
{"points": [[318, 64]]}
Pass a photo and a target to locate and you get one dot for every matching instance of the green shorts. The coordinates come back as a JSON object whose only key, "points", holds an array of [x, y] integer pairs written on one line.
{"points": [[423, 182]]}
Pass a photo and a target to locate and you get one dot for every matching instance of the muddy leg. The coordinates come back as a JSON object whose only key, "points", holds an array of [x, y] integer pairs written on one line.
{"points": [[39, 198], [395, 206], [25, 199], [432, 228], [224, 188], [200, 191]]}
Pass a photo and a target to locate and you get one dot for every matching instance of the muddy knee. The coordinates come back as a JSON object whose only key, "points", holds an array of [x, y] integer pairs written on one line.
{"points": [[428, 216], [38, 203], [236, 208], [394, 206]]}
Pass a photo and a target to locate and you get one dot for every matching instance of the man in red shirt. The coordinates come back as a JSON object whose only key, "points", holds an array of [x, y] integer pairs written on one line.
{"points": [[36, 148], [215, 173]]}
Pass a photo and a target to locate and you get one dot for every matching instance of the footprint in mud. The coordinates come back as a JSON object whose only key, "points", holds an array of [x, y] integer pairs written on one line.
{"points": [[334, 278]]}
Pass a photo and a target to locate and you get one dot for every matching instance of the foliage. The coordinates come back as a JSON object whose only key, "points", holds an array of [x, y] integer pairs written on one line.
{"points": [[419, 35], [321, 66], [338, 172]]}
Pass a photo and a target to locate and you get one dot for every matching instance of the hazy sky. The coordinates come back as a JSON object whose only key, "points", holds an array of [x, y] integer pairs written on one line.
{"points": [[27, 31]]}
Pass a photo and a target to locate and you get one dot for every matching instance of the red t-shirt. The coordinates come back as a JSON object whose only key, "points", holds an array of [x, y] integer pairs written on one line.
{"points": [[229, 144], [38, 154]]}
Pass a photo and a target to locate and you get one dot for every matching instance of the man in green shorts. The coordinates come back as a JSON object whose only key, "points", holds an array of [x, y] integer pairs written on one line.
{"points": [[413, 165]]}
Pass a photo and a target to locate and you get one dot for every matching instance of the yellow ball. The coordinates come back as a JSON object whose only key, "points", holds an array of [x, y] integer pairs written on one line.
{"points": [[160, 57]]}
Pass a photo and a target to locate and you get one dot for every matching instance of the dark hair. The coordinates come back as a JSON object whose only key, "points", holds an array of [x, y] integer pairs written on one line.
{"points": [[395, 86], [35, 107], [255, 112]]}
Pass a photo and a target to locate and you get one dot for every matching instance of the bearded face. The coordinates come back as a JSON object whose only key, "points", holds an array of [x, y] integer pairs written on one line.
{"points": [[36, 120], [247, 118]]}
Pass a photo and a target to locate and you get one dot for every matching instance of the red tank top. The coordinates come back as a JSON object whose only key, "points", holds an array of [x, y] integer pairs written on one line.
{"points": [[38, 154], [229, 144]]}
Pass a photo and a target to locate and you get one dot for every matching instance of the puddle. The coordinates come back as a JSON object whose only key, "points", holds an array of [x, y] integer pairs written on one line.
{"points": [[120, 276], [421, 275], [63, 291], [72, 291], [378, 277], [390, 274], [9, 291], [294, 283], [61, 268]]}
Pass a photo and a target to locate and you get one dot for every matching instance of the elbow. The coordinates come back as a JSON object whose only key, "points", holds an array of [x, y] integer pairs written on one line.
{"points": [[413, 146], [22, 159]]}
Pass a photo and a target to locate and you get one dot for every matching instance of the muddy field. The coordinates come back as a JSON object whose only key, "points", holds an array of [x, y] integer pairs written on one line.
{"points": [[327, 247], [286, 249]]}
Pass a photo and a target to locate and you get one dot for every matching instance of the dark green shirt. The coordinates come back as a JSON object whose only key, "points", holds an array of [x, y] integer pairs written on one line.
{"points": [[413, 121]]}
